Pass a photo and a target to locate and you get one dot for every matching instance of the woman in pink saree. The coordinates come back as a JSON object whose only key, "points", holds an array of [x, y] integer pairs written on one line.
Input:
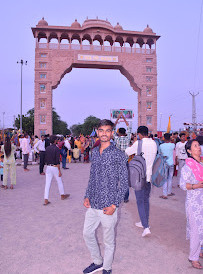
{"points": [[192, 181]]}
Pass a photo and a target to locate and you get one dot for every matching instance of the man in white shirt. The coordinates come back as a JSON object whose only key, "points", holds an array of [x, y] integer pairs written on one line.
{"points": [[25, 145], [181, 154], [67, 144], [40, 148], [149, 150]]}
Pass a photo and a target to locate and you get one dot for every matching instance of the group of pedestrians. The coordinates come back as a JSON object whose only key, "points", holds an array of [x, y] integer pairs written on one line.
{"points": [[108, 184]]}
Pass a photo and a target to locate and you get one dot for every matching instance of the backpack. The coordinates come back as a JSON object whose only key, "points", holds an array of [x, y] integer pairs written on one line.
{"points": [[137, 169], [159, 170]]}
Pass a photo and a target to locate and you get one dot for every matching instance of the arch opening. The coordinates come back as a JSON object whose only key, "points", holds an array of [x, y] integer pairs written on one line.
{"points": [[85, 89]]}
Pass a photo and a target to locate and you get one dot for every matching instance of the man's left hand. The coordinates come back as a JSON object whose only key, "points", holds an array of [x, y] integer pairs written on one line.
{"points": [[109, 210]]}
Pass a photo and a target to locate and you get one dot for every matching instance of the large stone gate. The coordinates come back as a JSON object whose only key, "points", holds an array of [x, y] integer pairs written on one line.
{"points": [[99, 45]]}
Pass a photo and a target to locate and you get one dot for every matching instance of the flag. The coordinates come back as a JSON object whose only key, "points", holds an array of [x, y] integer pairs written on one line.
{"points": [[93, 133], [169, 125]]}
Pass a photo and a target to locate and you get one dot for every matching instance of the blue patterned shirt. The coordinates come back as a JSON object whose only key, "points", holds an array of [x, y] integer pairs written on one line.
{"points": [[108, 181]]}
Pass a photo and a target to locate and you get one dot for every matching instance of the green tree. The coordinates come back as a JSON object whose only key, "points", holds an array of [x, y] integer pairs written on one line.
{"points": [[86, 128], [59, 126], [28, 121], [90, 123], [76, 129]]}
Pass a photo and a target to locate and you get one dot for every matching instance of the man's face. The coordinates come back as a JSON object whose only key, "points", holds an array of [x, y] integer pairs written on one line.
{"points": [[105, 133], [175, 136], [183, 138], [42, 138]]}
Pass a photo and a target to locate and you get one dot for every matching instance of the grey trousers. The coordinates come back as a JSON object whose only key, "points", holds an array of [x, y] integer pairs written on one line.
{"points": [[180, 165], [93, 218], [25, 160]]}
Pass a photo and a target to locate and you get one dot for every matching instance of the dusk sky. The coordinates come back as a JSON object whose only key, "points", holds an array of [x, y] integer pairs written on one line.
{"points": [[84, 92]]}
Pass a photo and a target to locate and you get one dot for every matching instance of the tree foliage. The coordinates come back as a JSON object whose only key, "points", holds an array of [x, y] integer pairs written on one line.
{"points": [[27, 121], [59, 126], [86, 128]]}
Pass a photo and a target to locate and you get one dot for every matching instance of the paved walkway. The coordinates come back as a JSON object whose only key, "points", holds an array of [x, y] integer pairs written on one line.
{"points": [[36, 239]]}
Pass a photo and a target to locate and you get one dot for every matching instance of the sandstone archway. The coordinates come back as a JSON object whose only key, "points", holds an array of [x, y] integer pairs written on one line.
{"points": [[130, 52]]}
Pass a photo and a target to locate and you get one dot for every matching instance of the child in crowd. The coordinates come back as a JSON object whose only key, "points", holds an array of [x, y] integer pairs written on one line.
{"points": [[1, 166]]}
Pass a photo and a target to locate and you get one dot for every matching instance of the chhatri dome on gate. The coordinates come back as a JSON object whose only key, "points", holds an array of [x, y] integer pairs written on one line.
{"points": [[133, 53]]}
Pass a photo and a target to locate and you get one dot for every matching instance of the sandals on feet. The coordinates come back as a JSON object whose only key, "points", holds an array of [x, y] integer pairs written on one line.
{"points": [[195, 264], [163, 197], [171, 194], [46, 203], [11, 187], [201, 255]]}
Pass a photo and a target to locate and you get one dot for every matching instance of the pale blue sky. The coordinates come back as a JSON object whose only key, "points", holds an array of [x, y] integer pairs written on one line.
{"points": [[86, 91]]}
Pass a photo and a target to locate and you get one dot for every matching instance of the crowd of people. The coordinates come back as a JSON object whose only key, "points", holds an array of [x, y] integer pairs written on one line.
{"points": [[110, 154]]}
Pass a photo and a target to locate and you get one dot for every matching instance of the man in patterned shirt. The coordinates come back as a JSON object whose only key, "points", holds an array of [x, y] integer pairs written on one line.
{"points": [[106, 189]]}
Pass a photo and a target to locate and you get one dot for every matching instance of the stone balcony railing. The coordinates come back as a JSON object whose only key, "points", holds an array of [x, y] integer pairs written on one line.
{"points": [[95, 48]]}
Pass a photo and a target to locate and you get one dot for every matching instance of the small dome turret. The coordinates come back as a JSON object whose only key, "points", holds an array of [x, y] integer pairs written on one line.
{"points": [[118, 27], [75, 24], [148, 30], [42, 22]]}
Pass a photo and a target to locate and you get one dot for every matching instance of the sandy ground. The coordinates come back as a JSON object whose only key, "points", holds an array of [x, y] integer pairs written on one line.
{"points": [[37, 239]]}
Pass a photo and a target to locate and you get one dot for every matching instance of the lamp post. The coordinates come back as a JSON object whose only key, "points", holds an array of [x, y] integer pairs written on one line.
{"points": [[21, 94], [160, 121], [3, 126]]}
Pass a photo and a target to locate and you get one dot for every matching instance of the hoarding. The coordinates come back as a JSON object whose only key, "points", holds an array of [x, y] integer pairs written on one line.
{"points": [[127, 113]]}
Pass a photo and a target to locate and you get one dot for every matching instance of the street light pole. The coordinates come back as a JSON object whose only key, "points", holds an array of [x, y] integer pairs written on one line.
{"points": [[3, 126], [160, 121], [21, 94]]}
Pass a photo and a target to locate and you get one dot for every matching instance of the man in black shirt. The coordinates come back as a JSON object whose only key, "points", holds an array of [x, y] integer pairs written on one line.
{"points": [[52, 156]]}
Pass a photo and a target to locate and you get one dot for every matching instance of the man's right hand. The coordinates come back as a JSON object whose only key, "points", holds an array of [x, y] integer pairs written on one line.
{"points": [[86, 203]]}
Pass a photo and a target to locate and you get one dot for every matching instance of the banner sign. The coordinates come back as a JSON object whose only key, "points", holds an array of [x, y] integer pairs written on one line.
{"points": [[127, 113], [97, 58]]}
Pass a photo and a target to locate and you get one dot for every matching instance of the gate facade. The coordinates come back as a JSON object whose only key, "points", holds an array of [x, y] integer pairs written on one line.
{"points": [[99, 45]]}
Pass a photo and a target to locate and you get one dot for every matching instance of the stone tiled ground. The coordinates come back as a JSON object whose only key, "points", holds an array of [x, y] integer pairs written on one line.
{"points": [[36, 239]]}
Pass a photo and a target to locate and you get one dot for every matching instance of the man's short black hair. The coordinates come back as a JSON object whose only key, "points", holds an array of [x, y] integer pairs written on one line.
{"points": [[181, 134], [2, 156], [53, 138], [42, 135], [36, 136], [105, 122], [155, 135], [175, 133], [167, 136], [122, 130], [143, 130]]}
